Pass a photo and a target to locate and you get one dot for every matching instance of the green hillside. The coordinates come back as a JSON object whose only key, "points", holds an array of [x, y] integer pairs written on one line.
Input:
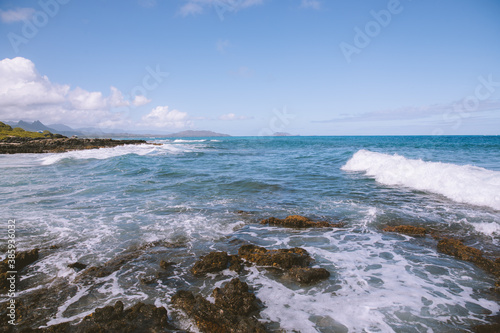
{"points": [[7, 131]]}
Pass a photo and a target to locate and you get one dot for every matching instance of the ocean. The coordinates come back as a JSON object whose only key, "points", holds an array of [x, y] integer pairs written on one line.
{"points": [[182, 198]]}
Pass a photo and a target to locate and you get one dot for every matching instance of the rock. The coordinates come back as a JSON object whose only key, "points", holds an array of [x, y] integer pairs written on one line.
{"points": [[234, 296], [114, 319], [22, 259], [14, 145], [407, 230], [77, 265], [36, 308], [307, 274], [216, 262], [297, 221], [166, 264], [220, 317], [487, 328], [108, 268], [282, 258], [456, 248]]}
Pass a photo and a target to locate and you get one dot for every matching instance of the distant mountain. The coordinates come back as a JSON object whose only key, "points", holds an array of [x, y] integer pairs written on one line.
{"points": [[282, 134], [195, 134], [37, 126], [60, 127]]}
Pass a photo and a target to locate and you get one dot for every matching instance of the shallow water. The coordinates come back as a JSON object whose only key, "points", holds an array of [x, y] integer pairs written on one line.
{"points": [[96, 204]]}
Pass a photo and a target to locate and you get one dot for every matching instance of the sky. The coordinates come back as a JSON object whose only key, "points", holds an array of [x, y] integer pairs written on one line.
{"points": [[254, 67]]}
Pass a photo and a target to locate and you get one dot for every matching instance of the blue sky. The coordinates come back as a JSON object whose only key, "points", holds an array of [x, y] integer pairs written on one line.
{"points": [[254, 67]]}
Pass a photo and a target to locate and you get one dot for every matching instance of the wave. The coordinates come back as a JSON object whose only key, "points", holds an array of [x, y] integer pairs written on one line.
{"points": [[188, 141], [461, 183], [105, 153]]}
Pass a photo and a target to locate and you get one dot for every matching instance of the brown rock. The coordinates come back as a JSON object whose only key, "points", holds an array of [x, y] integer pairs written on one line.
{"points": [[22, 259], [234, 296], [114, 319], [107, 268], [77, 265], [282, 258], [219, 317], [307, 274], [407, 230], [166, 264], [216, 262], [298, 221], [456, 248]]}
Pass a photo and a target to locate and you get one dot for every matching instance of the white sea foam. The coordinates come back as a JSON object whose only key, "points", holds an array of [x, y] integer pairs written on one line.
{"points": [[104, 153], [461, 183], [188, 141]]}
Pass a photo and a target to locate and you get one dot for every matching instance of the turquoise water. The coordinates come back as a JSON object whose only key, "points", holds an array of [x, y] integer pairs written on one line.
{"points": [[96, 204]]}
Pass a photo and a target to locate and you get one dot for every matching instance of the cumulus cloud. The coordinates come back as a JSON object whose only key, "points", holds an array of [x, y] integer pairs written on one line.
{"points": [[26, 94], [16, 15], [194, 7], [162, 117]]}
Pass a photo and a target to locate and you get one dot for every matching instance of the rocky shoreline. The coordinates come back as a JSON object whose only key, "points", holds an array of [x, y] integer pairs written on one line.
{"points": [[232, 307], [20, 145]]}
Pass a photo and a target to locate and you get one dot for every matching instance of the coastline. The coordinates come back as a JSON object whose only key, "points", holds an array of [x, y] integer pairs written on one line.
{"points": [[18, 145], [236, 304]]}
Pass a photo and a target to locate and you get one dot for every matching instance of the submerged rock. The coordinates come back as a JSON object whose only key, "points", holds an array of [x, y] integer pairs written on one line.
{"points": [[282, 258], [107, 268], [37, 307], [216, 262], [298, 221], [307, 274], [77, 265], [487, 328], [407, 230], [230, 313], [456, 248], [166, 264], [22, 259]]}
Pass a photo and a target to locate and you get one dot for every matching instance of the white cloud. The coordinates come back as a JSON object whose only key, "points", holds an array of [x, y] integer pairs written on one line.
{"points": [[313, 4], [194, 7], [162, 117], [140, 100], [26, 94], [16, 15], [232, 116]]}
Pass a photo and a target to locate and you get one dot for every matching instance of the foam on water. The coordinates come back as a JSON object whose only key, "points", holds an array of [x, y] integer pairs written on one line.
{"points": [[105, 153], [383, 281], [188, 141], [461, 183]]}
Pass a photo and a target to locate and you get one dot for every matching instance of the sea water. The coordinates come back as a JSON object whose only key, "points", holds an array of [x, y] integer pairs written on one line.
{"points": [[189, 193]]}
